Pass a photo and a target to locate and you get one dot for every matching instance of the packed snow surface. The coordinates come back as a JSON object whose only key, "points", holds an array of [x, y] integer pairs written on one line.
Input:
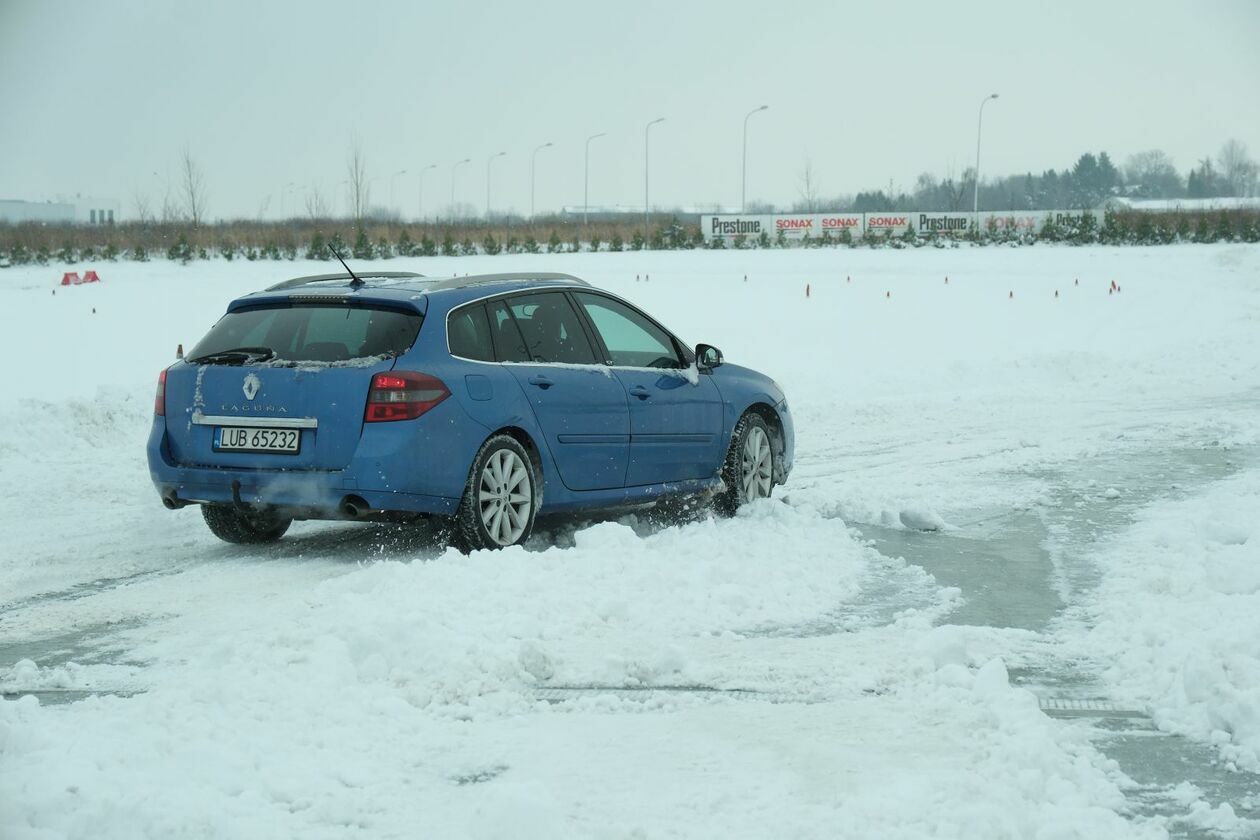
{"points": [[772, 675]]}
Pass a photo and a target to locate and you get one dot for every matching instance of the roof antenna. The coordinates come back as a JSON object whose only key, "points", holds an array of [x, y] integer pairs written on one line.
{"points": [[355, 281]]}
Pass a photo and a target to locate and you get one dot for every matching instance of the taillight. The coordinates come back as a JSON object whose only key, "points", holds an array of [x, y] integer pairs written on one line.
{"points": [[159, 402], [402, 395]]}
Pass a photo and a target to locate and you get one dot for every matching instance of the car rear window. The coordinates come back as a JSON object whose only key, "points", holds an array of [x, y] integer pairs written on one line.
{"points": [[312, 333]]}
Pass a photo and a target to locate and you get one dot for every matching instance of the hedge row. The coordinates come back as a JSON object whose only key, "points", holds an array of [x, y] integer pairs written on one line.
{"points": [[40, 244]]}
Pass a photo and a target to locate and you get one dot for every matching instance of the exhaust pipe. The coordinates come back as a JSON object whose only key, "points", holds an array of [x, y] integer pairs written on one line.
{"points": [[352, 507], [173, 502]]}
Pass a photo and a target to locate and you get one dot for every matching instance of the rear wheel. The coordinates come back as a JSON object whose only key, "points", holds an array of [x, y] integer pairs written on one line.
{"points": [[748, 471], [500, 499], [245, 527]]}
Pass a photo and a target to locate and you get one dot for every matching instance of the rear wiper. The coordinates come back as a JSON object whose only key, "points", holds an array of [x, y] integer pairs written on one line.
{"points": [[237, 355]]}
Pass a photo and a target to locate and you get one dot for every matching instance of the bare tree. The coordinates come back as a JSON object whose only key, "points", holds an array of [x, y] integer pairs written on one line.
{"points": [[809, 187], [171, 211], [356, 168], [194, 188], [263, 205], [316, 206], [144, 210], [1152, 172], [1237, 168]]}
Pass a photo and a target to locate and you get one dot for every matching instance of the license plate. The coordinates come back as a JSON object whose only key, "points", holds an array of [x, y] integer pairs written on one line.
{"points": [[242, 439]]}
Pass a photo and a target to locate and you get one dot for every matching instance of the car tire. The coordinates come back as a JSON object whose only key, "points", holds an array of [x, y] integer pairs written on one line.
{"points": [[500, 499], [748, 471], [244, 527]]}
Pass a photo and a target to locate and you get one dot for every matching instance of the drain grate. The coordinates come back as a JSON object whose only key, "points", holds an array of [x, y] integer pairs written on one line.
{"points": [[53, 696], [648, 694], [1072, 707]]}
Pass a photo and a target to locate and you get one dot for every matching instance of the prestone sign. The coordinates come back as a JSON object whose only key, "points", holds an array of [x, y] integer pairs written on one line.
{"points": [[818, 226]]}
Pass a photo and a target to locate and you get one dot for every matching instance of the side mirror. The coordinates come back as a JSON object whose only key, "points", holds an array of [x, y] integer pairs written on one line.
{"points": [[708, 357]]}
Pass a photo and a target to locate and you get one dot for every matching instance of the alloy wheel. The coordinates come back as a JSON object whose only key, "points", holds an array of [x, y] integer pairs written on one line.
{"points": [[756, 464], [504, 497]]}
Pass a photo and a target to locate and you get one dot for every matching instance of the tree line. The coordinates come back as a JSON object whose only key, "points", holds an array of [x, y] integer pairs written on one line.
{"points": [[1085, 185]]}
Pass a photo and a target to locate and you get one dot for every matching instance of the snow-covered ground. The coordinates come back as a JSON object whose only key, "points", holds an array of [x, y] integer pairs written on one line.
{"points": [[780, 674]]}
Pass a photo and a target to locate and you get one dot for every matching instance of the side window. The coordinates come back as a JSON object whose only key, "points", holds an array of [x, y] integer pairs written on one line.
{"points": [[632, 340], [508, 344], [468, 333], [551, 329]]}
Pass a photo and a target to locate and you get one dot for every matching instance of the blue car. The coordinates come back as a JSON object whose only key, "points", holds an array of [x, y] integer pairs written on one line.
{"points": [[488, 400]]}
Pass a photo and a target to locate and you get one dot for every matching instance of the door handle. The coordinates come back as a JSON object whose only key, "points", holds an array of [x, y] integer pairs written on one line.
{"points": [[541, 381], [640, 392]]}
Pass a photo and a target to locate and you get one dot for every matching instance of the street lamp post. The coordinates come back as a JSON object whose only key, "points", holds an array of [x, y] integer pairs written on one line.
{"points": [[393, 180], [456, 165], [490, 160], [743, 184], [586, 176], [646, 205], [533, 159], [975, 196], [420, 197]]}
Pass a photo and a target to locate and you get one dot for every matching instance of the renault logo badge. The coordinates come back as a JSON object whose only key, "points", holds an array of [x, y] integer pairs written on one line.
{"points": [[251, 387]]}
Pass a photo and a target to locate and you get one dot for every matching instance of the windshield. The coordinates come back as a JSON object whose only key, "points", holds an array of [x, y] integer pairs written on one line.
{"points": [[312, 333]]}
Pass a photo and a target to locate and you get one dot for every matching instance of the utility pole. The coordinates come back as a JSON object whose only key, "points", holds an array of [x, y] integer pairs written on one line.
{"points": [[646, 205], [743, 184], [586, 177]]}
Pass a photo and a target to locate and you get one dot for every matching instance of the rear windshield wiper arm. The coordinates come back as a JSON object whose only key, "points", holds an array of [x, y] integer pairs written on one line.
{"points": [[237, 355]]}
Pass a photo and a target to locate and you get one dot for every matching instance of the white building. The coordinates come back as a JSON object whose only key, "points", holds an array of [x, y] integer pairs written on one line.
{"points": [[1181, 205], [80, 210]]}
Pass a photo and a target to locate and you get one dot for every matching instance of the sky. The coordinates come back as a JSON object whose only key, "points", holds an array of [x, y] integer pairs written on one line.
{"points": [[102, 98]]}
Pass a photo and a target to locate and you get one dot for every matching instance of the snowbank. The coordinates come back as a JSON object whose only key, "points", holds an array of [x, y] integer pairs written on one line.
{"points": [[304, 690], [1178, 616]]}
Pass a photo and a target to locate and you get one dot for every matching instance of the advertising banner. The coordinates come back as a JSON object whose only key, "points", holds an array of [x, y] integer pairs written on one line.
{"points": [[797, 226], [942, 224], [836, 223], [886, 224], [730, 227]]}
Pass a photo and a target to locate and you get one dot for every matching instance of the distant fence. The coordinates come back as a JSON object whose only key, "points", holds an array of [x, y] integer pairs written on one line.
{"points": [[42, 244], [857, 225]]}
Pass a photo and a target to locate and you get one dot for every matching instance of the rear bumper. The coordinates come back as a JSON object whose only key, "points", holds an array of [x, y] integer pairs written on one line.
{"points": [[316, 496], [396, 469]]}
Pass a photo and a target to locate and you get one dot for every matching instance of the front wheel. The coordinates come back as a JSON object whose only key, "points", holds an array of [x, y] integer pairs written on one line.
{"points": [[500, 499], [748, 471], [244, 527]]}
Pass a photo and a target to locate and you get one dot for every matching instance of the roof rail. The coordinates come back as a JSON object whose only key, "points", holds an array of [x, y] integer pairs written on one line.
{"points": [[321, 278], [506, 277]]}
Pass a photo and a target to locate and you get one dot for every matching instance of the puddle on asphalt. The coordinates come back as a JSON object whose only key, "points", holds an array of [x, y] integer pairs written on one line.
{"points": [[1007, 578], [88, 645]]}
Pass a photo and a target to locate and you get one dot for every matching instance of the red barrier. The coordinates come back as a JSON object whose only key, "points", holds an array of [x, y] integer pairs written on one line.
{"points": [[70, 277], [90, 277]]}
